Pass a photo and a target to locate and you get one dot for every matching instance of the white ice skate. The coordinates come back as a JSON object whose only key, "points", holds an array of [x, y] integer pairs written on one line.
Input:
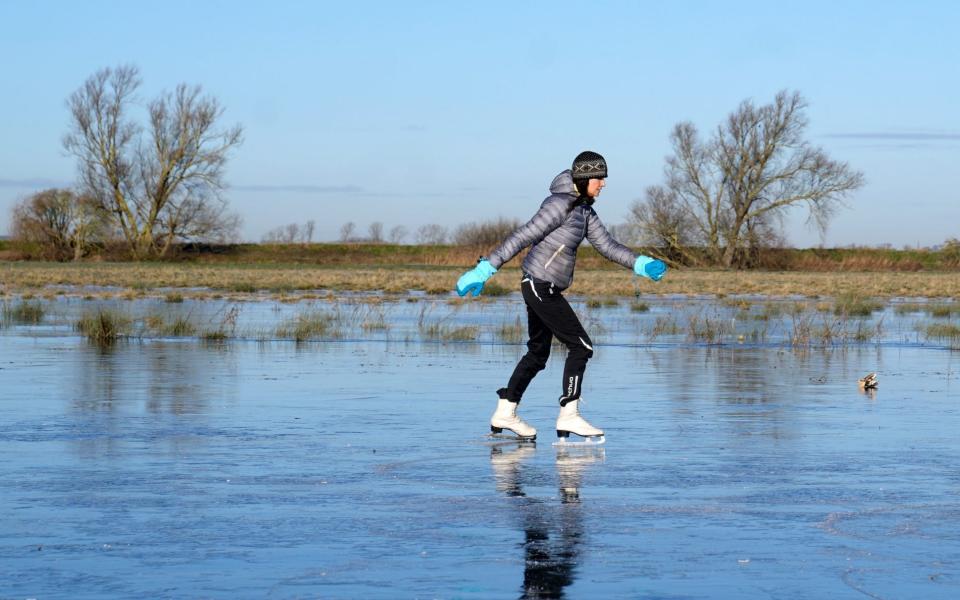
{"points": [[570, 421], [505, 417]]}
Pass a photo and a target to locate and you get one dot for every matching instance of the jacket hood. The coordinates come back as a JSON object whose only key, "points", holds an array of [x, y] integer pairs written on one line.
{"points": [[563, 184]]}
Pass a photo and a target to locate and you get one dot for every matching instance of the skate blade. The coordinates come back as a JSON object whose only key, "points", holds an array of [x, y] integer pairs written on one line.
{"points": [[508, 437], [587, 441]]}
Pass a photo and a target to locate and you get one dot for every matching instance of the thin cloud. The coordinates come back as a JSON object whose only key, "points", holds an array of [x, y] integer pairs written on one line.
{"points": [[913, 136], [332, 190], [32, 183], [301, 188]]}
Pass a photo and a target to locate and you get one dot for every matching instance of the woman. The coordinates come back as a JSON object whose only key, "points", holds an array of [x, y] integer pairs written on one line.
{"points": [[565, 218]]}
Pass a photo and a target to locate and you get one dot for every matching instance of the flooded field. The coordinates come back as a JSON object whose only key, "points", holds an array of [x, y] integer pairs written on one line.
{"points": [[228, 459]]}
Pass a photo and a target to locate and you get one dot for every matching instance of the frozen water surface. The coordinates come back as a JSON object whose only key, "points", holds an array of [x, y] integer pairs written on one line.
{"points": [[357, 467]]}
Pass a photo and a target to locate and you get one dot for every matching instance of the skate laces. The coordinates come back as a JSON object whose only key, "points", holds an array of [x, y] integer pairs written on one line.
{"points": [[576, 409]]}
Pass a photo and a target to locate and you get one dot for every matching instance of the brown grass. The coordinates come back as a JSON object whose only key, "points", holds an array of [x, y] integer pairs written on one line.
{"points": [[139, 279]]}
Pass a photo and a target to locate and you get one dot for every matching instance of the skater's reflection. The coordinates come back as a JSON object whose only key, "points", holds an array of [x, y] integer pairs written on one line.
{"points": [[553, 531]]}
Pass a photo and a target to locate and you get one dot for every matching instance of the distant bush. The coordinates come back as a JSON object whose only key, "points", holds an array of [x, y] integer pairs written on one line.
{"points": [[487, 233], [60, 222], [431, 234], [951, 251]]}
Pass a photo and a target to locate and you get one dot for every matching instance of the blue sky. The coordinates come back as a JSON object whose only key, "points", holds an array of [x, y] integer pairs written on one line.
{"points": [[442, 112]]}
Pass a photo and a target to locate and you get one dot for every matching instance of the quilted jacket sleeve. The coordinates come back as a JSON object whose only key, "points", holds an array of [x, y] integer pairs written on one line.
{"points": [[553, 212], [610, 248]]}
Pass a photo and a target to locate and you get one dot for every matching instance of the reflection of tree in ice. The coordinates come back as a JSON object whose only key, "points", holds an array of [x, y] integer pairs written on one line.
{"points": [[552, 532], [115, 382], [174, 378]]}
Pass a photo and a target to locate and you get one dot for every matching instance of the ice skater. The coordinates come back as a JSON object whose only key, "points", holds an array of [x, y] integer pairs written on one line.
{"points": [[565, 218]]}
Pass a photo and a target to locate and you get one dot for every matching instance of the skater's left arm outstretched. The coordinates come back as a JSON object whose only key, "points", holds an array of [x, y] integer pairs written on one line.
{"points": [[612, 250]]}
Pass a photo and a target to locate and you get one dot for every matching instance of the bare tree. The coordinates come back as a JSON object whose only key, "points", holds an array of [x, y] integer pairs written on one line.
{"points": [[432, 234], [346, 231], [398, 233], [308, 231], [159, 187], [62, 222], [292, 233], [487, 233], [376, 232], [661, 222], [198, 220], [729, 191], [625, 233]]}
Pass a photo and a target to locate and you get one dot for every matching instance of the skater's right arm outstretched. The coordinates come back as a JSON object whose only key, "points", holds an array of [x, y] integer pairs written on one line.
{"points": [[551, 215]]}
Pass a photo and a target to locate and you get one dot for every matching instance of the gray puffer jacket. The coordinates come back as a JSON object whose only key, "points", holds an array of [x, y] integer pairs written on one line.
{"points": [[556, 232]]}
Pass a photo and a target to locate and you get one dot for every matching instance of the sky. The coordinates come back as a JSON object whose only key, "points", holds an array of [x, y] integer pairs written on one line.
{"points": [[411, 113]]}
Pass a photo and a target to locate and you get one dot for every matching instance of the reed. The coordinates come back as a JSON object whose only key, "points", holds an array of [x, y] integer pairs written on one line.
{"points": [[511, 333], [104, 326], [708, 329], [179, 327], [855, 304], [24, 312], [225, 329], [446, 333], [306, 326], [375, 320], [664, 325], [947, 331], [943, 311], [907, 308], [771, 310], [493, 289]]}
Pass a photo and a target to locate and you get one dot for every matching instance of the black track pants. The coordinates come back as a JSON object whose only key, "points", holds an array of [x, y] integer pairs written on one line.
{"points": [[548, 315]]}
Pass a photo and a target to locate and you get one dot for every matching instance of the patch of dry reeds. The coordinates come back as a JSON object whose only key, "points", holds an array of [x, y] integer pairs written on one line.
{"points": [[32, 276], [23, 312]]}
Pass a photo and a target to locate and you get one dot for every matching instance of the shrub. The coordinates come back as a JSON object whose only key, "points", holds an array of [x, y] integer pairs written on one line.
{"points": [[487, 233], [104, 326]]}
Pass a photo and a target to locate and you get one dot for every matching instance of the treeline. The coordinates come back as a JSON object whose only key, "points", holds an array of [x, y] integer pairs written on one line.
{"points": [[469, 234]]}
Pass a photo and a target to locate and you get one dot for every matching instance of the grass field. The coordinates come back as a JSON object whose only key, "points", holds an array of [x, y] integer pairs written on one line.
{"points": [[227, 278]]}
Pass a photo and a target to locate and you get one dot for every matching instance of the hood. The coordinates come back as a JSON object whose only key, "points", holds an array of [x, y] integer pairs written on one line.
{"points": [[563, 184]]}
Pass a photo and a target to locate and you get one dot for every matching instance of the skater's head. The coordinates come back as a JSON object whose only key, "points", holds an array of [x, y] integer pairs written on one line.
{"points": [[589, 172]]}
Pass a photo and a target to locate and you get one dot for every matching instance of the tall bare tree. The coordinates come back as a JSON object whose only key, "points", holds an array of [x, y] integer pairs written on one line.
{"points": [[160, 183], [729, 192]]}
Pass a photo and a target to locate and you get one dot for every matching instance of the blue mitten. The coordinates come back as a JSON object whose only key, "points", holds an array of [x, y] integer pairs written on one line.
{"points": [[473, 280], [650, 268]]}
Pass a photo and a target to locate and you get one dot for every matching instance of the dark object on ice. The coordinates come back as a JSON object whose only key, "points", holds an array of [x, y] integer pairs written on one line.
{"points": [[869, 382]]}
